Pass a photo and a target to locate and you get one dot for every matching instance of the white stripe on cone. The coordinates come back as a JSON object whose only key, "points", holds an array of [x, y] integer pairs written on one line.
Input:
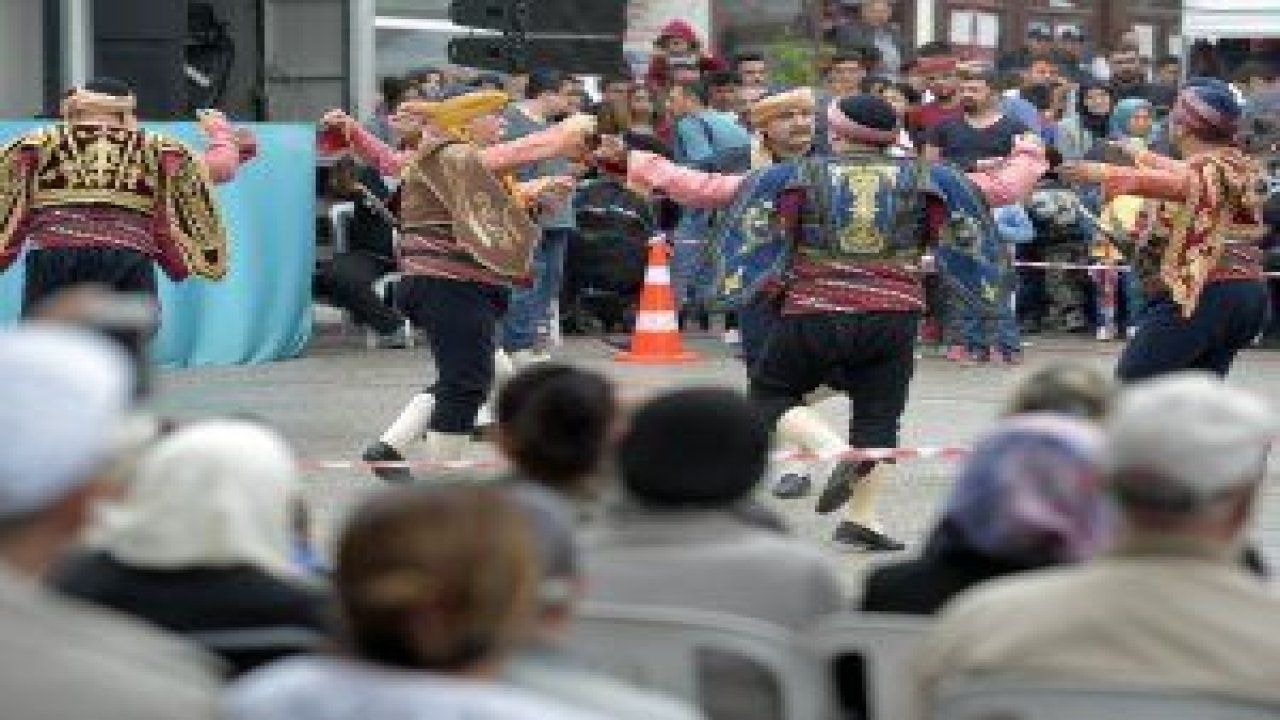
{"points": [[654, 321], [659, 275]]}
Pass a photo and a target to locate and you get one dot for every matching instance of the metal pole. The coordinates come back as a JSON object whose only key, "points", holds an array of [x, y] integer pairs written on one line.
{"points": [[362, 63], [77, 42]]}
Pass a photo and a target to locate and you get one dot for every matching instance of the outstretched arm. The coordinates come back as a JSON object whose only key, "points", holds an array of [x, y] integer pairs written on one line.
{"points": [[649, 173], [566, 138], [1009, 181], [375, 153], [1158, 184], [1144, 158]]}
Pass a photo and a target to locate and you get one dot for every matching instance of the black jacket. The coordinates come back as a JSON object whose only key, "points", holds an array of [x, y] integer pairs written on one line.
{"points": [[922, 586], [242, 614]]}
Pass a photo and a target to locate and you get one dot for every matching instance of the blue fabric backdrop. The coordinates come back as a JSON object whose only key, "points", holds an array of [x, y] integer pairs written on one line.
{"points": [[261, 311]]}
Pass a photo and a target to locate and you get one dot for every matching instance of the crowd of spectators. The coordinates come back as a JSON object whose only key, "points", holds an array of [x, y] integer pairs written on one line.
{"points": [[692, 106], [167, 577]]}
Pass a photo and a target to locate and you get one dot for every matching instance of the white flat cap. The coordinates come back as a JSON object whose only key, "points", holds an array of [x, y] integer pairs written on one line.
{"points": [[1187, 436], [63, 398]]}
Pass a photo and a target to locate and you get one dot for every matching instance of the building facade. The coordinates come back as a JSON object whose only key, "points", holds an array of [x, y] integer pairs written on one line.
{"points": [[979, 28]]}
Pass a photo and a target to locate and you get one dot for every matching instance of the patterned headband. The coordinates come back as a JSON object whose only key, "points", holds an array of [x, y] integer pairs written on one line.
{"points": [[81, 100], [771, 106], [1201, 118]]}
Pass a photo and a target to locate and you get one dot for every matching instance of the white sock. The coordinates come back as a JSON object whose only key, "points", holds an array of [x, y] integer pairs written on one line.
{"points": [[862, 506], [408, 427], [523, 359], [802, 426]]}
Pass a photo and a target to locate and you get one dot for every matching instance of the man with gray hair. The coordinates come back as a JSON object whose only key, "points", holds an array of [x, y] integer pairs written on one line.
{"points": [[63, 398], [1171, 606]]}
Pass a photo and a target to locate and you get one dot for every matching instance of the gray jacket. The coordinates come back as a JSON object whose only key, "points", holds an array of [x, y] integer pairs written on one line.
{"points": [[65, 660], [708, 560]]}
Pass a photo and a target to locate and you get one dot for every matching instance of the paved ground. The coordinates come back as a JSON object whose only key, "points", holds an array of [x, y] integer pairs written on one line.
{"points": [[331, 402]]}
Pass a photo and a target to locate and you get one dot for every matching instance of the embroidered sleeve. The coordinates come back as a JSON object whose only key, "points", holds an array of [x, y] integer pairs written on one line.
{"points": [[15, 168], [649, 173], [1161, 184], [1156, 161]]}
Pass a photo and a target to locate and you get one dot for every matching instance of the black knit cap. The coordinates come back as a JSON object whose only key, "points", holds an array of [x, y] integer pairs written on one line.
{"points": [[700, 447], [869, 110], [109, 86]]}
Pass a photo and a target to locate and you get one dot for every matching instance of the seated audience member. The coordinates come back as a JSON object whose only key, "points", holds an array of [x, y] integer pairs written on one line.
{"points": [[201, 544], [1063, 388], [349, 279], [541, 665], [556, 424], [1028, 497], [688, 464], [1168, 606], [686, 535], [436, 588], [65, 395]]}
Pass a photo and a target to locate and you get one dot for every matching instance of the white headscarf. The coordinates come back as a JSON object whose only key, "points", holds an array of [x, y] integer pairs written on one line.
{"points": [[63, 397], [215, 494]]}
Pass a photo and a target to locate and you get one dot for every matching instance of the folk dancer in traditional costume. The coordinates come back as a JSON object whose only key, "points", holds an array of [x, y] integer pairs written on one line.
{"points": [[466, 238], [784, 128], [97, 199], [1196, 250], [844, 236]]}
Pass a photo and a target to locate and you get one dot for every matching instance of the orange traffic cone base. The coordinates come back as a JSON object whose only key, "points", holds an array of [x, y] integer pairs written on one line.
{"points": [[656, 338], [659, 359]]}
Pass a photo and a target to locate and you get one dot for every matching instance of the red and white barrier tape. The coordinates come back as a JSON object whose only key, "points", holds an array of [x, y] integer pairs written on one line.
{"points": [[1041, 265], [494, 463]]}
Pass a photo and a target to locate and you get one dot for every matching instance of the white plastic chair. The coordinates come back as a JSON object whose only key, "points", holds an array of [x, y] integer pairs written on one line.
{"points": [[340, 216], [1033, 700], [887, 645], [660, 648]]}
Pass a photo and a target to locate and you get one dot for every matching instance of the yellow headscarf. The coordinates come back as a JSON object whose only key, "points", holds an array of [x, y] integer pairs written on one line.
{"points": [[454, 114]]}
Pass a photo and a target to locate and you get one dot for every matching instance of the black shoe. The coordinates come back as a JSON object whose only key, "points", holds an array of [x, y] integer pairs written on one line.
{"points": [[862, 537], [791, 486], [380, 452], [839, 487]]}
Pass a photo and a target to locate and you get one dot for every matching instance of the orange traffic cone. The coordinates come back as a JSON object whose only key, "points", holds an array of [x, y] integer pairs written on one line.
{"points": [[656, 339]]}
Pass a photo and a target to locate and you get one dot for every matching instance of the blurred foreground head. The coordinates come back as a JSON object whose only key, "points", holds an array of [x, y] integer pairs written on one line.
{"points": [[437, 579], [700, 447], [556, 424], [1186, 455], [213, 494], [1031, 494], [1063, 388], [63, 398]]}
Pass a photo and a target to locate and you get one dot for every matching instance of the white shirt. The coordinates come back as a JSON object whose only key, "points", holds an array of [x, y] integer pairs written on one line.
{"points": [[318, 688]]}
